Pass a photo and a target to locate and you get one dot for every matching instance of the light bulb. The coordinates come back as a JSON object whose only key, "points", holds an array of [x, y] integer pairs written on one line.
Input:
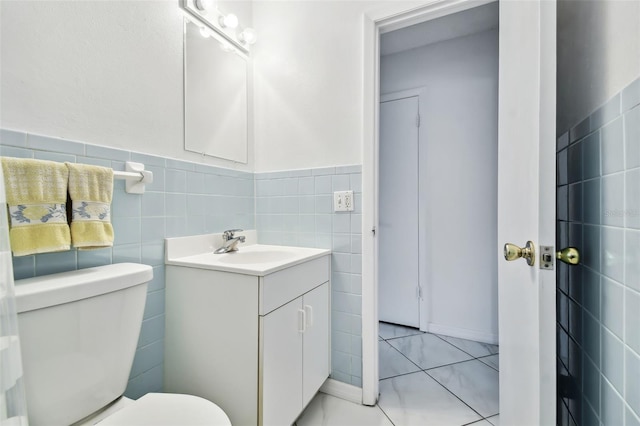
{"points": [[204, 32], [204, 4], [248, 36], [229, 21], [227, 47]]}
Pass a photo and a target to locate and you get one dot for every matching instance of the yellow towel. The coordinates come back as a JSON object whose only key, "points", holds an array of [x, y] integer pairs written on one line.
{"points": [[91, 191], [36, 195]]}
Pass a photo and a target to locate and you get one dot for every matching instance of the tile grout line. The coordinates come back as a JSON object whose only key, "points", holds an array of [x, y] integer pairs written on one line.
{"points": [[473, 358], [448, 390], [384, 412]]}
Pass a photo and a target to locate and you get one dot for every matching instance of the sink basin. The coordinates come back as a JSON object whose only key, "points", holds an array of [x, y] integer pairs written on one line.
{"points": [[253, 257]]}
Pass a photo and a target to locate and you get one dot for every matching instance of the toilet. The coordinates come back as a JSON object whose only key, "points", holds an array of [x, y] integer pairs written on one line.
{"points": [[79, 331]]}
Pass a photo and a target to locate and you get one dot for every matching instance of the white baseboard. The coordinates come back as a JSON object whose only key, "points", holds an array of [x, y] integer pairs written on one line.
{"points": [[342, 390], [463, 333]]}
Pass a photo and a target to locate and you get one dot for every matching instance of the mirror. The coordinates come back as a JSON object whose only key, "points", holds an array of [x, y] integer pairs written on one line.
{"points": [[215, 96]]}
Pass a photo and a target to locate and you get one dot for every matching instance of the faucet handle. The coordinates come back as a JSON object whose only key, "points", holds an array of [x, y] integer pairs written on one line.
{"points": [[228, 234]]}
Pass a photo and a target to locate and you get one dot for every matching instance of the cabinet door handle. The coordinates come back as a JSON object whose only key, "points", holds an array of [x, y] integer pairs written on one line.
{"points": [[308, 309], [302, 320]]}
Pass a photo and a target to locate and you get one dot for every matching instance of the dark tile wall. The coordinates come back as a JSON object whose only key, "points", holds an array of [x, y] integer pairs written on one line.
{"points": [[598, 301]]}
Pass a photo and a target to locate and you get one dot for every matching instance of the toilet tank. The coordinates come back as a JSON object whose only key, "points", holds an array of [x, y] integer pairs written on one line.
{"points": [[79, 331]]}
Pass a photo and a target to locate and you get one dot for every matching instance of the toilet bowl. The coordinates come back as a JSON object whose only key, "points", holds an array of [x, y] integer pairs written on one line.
{"points": [[79, 331]]}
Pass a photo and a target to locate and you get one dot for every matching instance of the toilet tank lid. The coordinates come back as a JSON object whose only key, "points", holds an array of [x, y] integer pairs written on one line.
{"points": [[50, 290]]}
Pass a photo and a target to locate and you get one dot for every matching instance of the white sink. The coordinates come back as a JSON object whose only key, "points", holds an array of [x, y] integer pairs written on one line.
{"points": [[250, 259], [243, 257]]}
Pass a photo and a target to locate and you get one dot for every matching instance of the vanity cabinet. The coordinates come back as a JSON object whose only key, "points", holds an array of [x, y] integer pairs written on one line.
{"points": [[258, 346], [294, 347]]}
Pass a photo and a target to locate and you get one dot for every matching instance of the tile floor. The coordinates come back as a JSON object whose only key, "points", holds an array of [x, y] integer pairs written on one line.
{"points": [[425, 379]]}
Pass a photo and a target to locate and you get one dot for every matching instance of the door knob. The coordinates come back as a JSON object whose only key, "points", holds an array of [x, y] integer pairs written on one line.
{"points": [[513, 252], [569, 255]]}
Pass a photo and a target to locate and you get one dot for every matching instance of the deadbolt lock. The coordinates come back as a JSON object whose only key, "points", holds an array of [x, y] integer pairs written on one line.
{"points": [[528, 252]]}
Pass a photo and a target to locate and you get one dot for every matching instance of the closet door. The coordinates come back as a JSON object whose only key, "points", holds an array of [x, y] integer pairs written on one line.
{"points": [[398, 211]]}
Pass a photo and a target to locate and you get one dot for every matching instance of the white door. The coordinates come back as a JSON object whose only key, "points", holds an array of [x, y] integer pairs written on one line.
{"points": [[398, 210], [526, 210], [315, 341], [281, 364]]}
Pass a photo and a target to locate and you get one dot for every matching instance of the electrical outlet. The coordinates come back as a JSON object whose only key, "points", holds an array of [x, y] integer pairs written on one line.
{"points": [[343, 201]]}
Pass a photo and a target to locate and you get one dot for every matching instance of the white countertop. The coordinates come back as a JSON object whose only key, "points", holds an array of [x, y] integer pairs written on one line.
{"points": [[250, 259]]}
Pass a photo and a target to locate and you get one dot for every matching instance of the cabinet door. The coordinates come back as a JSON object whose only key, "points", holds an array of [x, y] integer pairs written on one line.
{"points": [[316, 341], [282, 364]]}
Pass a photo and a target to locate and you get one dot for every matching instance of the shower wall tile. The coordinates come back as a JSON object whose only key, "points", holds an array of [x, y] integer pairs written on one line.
{"points": [[605, 113], [602, 166], [580, 130], [612, 147], [613, 200], [612, 353], [632, 136], [632, 200], [631, 95], [185, 198], [296, 208], [591, 156]]}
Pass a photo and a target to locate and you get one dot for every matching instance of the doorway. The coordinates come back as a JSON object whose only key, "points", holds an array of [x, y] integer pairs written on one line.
{"points": [[437, 188], [438, 175], [527, 118]]}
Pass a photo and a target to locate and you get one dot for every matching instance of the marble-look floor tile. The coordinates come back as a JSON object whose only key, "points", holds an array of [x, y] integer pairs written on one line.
{"points": [[389, 331], [331, 411], [417, 399], [495, 420], [483, 422], [492, 361], [429, 351], [393, 363], [477, 349], [473, 382]]}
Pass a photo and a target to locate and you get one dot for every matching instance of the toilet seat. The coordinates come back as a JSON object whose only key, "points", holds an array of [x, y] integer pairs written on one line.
{"points": [[167, 409]]}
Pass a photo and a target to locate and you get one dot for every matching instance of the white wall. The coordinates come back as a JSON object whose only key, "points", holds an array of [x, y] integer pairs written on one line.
{"points": [[308, 83], [101, 72], [458, 167], [598, 55]]}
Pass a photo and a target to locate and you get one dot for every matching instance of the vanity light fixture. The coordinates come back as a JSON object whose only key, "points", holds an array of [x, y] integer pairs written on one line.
{"points": [[213, 23], [248, 36], [226, 46], [228, 21], [204, 4]]}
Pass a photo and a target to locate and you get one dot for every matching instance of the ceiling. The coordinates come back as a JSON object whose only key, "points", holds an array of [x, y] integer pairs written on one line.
{"points": [[467, 22]]}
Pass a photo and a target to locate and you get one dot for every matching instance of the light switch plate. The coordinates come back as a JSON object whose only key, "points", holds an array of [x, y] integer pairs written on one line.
{"points": [[343, 201]]}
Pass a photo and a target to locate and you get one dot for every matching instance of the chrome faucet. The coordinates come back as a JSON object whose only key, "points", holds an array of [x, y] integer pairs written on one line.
{"points": [[230, 241]]}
